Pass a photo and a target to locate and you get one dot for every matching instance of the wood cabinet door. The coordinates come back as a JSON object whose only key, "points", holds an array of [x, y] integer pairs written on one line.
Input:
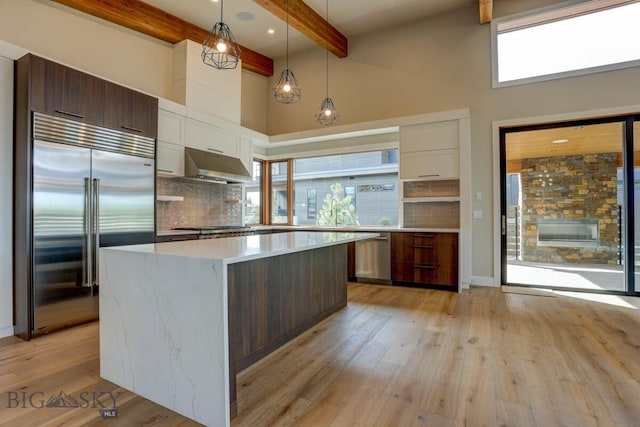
{"points": [[435, 258], [401, 257], [429, 258], [62, 91], [130, 111], [436, 275]]}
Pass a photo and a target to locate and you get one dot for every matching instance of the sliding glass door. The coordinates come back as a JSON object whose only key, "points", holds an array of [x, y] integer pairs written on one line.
{"points": [[567, 198]]}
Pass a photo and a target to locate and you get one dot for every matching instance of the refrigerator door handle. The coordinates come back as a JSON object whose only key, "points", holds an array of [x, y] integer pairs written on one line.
{"points": [[87, 251], [96, 226]]}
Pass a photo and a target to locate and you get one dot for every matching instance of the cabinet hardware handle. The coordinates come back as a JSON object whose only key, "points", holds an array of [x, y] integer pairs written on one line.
{"points": [[428, 267], [215, 151], [131, 128], [426, 236], [423, 247], [68, 113], [165, 170], [428, 175]]}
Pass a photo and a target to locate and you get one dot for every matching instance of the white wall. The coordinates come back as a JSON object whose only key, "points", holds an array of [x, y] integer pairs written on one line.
{"points": [[6, 196]]}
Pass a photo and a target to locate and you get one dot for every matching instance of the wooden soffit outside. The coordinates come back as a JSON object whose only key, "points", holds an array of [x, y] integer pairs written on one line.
{"points": [[144, 18], [580, 140]]}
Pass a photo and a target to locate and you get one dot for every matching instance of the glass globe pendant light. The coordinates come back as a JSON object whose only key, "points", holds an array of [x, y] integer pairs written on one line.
{"points": [[286, 89], [328, 115], [219, 49]]}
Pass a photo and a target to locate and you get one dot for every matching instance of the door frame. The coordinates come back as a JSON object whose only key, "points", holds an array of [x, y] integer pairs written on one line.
{"points": [[497, 167]]}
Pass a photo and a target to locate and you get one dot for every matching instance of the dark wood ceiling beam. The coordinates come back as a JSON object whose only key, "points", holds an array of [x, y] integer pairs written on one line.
{"points": [[144, 18], [309, 23], [486, 11]]}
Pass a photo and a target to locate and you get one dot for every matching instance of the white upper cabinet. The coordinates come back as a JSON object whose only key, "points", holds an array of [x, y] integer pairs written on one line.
{"points": [[207, 137], [430, 151], [430, 165], [171, 127], [429, 136], [170, 159], [171, 138]]}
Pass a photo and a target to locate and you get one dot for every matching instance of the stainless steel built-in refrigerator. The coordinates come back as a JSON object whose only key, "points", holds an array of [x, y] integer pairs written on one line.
{"points": [[92, 187]]}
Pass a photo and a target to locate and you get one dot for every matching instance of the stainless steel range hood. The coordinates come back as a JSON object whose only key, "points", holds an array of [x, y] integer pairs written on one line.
{"points": [[214, 167]]}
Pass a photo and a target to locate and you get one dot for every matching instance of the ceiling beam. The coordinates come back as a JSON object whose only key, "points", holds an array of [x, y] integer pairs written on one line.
{"points": [[486, 11], [309, 23], [144, 18]]}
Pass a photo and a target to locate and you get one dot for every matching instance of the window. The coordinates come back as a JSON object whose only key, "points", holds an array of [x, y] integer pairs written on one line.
{"points": [[351, 192], [325, 189], [253, 196], [583, 38], [312, 203], [279, 193]]}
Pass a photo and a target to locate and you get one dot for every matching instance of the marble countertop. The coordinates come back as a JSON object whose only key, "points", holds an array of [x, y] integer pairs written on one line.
{"points": [[356, 228], [340, 228], [245, 248]]}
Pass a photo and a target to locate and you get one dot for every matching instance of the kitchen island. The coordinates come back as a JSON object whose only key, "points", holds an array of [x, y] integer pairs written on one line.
{"points": [[178, 320]]}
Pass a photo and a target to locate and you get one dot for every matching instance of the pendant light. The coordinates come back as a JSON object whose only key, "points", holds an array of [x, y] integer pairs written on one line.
{"points": [[327, 115], [220, 49], [286, 89]]}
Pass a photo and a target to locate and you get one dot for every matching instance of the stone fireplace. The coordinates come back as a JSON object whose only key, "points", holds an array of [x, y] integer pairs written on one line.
{"points": [[570, 209]]}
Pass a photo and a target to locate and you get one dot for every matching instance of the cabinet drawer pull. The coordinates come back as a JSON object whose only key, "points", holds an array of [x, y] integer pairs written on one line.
{"points": [[165, 170], [215, 151], [68, 113], [426, 236], [428, 175], [131, 128], [423, 246], [428, 267]]}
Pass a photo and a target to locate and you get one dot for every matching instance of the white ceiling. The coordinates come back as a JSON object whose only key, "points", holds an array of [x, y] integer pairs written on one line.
{"points": [[350, 17]]}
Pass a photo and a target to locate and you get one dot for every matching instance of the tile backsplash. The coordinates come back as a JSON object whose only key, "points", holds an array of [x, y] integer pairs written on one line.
{"points": [[205, 203]]}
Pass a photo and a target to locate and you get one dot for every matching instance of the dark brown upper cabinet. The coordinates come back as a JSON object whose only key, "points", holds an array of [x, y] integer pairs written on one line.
{"points": [[130, 111], [62, 91]]}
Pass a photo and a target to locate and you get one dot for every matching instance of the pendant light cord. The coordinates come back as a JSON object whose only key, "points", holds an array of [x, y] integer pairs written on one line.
{"points": [[327, 47], [287, 34], [221, 10]]}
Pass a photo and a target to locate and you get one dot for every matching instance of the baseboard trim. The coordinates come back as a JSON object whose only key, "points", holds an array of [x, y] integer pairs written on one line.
{"points": [[483, 281], [6, 331]]}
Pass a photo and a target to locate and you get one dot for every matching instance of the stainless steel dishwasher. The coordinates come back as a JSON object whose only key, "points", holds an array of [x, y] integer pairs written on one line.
{"points": [[373, 259]]}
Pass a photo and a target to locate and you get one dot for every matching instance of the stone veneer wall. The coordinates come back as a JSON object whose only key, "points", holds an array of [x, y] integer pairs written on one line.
{"points": [[204, 204], [571, 187]]}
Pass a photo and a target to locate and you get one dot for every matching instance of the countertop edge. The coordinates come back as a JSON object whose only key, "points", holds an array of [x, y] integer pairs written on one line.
{"points": [[177, 249], [363, 229]]}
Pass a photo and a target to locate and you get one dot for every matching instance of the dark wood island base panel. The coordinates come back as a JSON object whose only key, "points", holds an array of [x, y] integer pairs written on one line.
{"points": [[273, 300]]}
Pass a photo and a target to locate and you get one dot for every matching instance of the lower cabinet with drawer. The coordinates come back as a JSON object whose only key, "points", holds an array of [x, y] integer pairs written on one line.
{"points": [[425, 258]]}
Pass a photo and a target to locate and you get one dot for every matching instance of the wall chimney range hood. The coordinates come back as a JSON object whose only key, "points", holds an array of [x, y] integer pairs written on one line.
{"points": [[214, 167]]}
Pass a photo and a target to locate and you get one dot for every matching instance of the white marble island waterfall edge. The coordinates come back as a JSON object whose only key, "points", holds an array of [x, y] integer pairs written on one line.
{"points": [[164, 316]]}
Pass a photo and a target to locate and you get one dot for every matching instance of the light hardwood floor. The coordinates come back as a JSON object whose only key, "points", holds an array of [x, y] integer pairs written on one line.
{"points": [[394, 357]]}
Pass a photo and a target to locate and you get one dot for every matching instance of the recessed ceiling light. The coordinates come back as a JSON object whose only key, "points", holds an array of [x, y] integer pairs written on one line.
{"points": [[271, 31], [245, 16], [559, 141]]}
